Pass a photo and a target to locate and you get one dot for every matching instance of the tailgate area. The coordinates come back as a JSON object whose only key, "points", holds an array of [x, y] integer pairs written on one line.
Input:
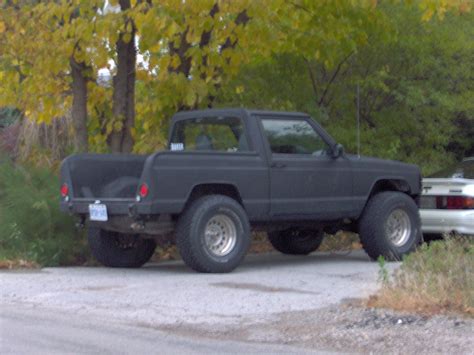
{"points": [[103, 176]]}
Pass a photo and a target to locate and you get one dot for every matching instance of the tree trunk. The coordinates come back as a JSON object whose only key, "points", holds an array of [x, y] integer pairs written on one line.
{"points": [[79, 105], [123, 106]]}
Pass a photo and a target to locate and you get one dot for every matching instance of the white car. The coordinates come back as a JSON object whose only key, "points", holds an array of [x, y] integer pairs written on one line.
{"points": [[447, 203]]}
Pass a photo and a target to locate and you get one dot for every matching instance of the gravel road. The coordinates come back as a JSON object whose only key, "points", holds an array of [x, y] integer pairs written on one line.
{"points": [[272, 303]]}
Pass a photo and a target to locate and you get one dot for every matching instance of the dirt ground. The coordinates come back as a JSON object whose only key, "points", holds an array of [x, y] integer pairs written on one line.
{"points": [[270, 301]]}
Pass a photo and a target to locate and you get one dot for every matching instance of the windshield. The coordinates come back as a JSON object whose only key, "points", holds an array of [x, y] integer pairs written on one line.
{"points": [[463, 170]]}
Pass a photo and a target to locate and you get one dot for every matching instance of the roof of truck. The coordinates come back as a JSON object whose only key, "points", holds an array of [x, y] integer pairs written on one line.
{"points": [[235, 111]]}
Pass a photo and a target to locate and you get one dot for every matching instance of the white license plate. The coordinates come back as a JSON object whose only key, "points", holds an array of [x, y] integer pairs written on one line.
{"points": [[98, 212]]}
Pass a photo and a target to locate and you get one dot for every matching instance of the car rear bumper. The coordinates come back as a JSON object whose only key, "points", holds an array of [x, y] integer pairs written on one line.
{"points": [[442, 221], [114, 206]]}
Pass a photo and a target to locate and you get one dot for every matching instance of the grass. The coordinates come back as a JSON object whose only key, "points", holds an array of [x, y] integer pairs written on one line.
{"points": [[438, 278], [17, 264]]}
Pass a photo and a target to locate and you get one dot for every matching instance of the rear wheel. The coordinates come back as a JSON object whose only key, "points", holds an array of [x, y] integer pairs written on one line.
{"points": [[120, 250], [213, 234], [296, 241], [390, 226]]}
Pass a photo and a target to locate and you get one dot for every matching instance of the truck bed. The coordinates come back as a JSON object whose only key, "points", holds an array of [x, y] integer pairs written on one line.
{"points": [[94, 176]]}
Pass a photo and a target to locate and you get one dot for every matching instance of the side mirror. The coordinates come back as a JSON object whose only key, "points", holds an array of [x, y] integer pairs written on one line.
{"points": [[337, 151]]}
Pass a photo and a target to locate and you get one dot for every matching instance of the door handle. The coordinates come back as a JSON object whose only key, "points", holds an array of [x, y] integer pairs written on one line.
{"points": [[278, 165]]}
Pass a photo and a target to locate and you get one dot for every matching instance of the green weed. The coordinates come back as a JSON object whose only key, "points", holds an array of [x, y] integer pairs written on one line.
{"points": [[32, 227], [438, 277]]}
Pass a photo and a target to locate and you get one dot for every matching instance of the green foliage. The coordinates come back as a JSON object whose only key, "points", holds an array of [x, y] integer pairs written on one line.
{"points": [[437, 277], [452, 257], [414, 72], [383, 272], [31, 226], [8, 116], [191, 49], [416, 88]]}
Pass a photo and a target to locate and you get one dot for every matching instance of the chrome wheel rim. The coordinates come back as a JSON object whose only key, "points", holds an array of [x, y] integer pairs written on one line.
{"points": [[398, 227], [220, 235]]}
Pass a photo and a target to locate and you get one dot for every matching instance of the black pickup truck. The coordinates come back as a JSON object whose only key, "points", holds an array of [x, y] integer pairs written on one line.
{"points": [[229, 171]]}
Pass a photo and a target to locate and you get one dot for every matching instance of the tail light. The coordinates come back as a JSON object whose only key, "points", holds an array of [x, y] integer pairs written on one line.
{"points": [[143, 190], [455, 202], [64, 190]]}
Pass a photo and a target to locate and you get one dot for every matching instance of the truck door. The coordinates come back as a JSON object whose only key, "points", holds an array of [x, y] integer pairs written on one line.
{"points": [[306, 182]]}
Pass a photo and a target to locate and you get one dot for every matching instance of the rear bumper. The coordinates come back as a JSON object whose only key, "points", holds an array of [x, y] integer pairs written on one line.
{"points": [[441, 221], [114, 207]]}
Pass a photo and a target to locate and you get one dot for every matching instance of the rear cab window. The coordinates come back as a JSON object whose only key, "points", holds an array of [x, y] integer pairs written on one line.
{"points": [[293, 136], [218, 134]]}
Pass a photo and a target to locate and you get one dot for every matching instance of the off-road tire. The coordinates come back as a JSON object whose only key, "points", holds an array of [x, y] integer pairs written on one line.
{"points": [[191, 239], [373, 230], [107, 249], [296, 241]]}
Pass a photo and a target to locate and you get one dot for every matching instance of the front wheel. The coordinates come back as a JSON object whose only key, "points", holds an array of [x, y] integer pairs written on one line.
{"points": [[213, 234], [120, 250], [390, 226]]}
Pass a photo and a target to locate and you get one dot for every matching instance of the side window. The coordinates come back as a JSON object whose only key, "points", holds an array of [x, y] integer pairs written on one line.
{"points": [[293, 136], [223, 134]]}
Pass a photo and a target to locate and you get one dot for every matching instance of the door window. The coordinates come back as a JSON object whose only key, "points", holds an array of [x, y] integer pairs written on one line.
{"points": [[223, 134], [293, 136]]}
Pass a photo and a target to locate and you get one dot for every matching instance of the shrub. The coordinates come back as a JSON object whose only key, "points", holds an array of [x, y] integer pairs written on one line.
{"points": [[438, 277], [32, 228]]}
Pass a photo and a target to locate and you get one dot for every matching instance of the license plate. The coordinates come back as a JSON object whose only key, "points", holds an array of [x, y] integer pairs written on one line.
{"points": [[98, 212]]}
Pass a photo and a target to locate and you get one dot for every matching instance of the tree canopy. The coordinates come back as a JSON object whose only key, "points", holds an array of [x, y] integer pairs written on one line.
{"points": [[122, 68]]}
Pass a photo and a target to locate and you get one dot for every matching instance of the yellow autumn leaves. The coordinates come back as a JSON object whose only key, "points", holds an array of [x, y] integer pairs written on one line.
{"points": [[185, 52]]}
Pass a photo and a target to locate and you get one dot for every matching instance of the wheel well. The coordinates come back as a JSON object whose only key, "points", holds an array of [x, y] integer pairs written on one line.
{"points": [[214, 189], [390, 185]]}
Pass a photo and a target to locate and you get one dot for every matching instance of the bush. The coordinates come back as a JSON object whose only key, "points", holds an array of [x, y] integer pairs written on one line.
{"points": [[438, 277], [32, 228], [8, 116]]}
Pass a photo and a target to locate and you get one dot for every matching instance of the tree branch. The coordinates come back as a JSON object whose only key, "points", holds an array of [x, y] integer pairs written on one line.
{"points": [[333, 77], [185, 61], [206, 36], [313, 79], [241, 19]]}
